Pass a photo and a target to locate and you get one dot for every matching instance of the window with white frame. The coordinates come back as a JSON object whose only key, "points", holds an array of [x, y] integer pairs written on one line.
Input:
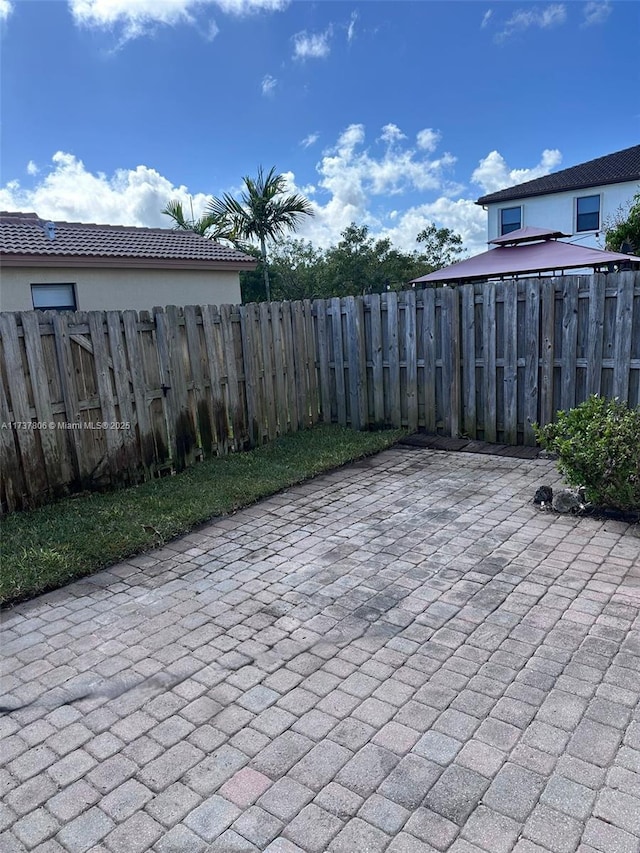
{"points": [[510, 220], [588, 213], [54, 297]]}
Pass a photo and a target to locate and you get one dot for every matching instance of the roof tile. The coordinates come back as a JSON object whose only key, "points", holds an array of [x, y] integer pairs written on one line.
{"points": [[27, 234]]}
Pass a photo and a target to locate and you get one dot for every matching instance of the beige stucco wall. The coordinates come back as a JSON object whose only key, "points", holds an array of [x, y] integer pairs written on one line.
{"points": [[106, 289]]}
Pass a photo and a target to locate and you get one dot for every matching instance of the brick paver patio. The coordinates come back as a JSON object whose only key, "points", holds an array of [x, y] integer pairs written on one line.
{"points": [[404, 655]]}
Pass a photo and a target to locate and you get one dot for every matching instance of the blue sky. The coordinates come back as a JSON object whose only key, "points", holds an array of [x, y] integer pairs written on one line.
{"points": [[390, 114]]}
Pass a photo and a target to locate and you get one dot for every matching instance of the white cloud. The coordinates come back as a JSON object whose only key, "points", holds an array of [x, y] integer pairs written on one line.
{"points": [[354, 183], [311, 45], [268, 84], [486, 18], [428, 139], [32, 168], [138, 17], [309, 140], [211, 30], [524, 19], [248, 7], [70, 192], [6, 8], [493, 174], [596, 12], [553, 15], [351, 29], [391, 133], [462, 215]]}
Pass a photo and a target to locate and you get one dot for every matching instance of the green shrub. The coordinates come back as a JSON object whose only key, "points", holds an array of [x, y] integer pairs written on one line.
{"points": [[598, 447]]}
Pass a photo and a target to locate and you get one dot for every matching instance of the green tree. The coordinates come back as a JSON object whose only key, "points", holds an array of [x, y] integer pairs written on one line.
{"points": [[297, 269], [263, 212], [442, 247], [622, 231], [359, 264]]}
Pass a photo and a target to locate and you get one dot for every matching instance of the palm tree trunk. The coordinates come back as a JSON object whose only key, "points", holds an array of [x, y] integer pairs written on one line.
{"points": [[265, 268]]}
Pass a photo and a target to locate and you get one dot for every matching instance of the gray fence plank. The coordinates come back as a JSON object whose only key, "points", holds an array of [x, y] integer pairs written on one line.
{"points": [[510, 373], [47, 436], [489, 362], [393, 358], [569, 341], [338, 359], [547, 351], [429, 359], [377, 361], [450, 325], [624, 326], [532, 359], [595, 333], [469, 359], [411, 360], [322, 344]]}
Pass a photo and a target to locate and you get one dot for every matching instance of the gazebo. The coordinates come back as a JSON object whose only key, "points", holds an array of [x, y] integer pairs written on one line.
{"points": [[526, 252]]}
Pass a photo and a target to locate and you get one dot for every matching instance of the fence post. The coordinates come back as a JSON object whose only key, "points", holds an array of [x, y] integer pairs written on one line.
{"points": [[547, 351], [395, 407], [338, 359], [569, 341], [624, 325], [322, 339], [250, 388], [451, 359], [41, 400], [510, 372], [377, 378], [595, 333], [469, 359], [489, 361], [356, 362], [411, 359], [532, 356], [429, 358], [105, 391]]}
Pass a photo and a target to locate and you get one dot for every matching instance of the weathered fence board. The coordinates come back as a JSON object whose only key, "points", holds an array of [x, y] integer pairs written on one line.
{"points": [[429, 358], [486, 360], [532, 358], [469, 357], [510, 366], [393, 382]]}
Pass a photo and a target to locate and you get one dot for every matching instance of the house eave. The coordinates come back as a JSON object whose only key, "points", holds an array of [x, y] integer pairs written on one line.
{"points": [[499, 198], [94, 262]]}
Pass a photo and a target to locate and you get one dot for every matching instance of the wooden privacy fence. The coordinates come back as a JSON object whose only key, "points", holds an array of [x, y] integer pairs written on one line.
{"points": [[482, 360], [89, 399], [98, 398]]}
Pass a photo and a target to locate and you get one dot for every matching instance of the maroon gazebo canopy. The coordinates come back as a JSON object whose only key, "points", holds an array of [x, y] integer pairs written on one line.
{"points": [[527, 250]]}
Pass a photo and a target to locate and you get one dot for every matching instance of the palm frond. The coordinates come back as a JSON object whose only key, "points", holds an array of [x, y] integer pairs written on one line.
{"points": [[174, 210]]}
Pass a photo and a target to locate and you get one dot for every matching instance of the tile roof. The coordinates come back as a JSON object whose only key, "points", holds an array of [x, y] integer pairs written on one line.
{"points": [[614, 168], [25, 234]]}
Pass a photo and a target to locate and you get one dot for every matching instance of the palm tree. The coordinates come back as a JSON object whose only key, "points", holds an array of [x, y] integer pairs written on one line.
{"points": [[206, 226], [263, 213]]}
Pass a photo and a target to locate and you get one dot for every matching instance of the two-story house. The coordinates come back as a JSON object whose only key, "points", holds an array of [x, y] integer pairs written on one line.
{"points": [[576, 201]]}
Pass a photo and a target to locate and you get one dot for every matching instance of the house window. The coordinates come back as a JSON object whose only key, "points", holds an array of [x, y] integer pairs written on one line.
{"points": [[510, 220], [54, 297], [588, 213]]}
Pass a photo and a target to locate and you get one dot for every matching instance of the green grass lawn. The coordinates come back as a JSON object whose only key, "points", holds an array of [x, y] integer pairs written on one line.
{"points": [[46, 548]]}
